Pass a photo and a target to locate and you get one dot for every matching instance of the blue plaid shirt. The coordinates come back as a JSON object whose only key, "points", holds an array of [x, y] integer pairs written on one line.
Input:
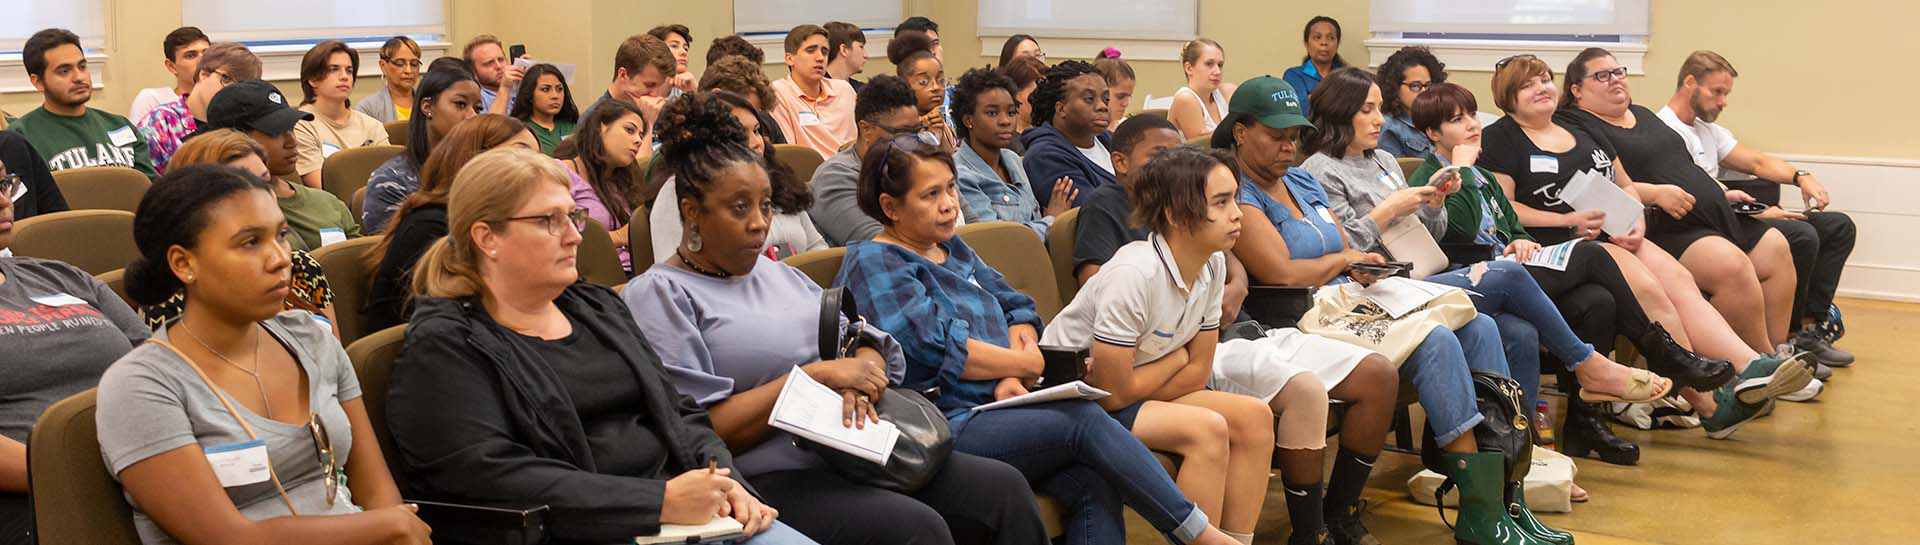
{"points": [[933, 310]]}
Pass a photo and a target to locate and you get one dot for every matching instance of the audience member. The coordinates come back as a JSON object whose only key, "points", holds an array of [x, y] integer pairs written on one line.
{"points": [[739, 75], [923, 24], [66, 132], [1120, 80], [1322, 39], [307, 287], [913, 60], [1104, 225], [1019, 45], [1025, 73], [886, 109], [447, 96], [975, 339], [642, 76], [256, 108], [846, 52], [1821, 240], [705, 310], [499, 302], [1069, 138], [1202, 102], [601, 163], [491, 68], [183, 48], [327, 73], [399, 72], [36, 193], [175, 408], [992, 182], [812, 109], [734, 44], [58, 345], [1407, 73], [789, 231], [170, 123], [422, 219], [679, 40], [545, 104]]}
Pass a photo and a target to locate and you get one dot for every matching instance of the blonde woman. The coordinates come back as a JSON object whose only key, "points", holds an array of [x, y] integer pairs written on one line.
{"points": [[1202, 103]]}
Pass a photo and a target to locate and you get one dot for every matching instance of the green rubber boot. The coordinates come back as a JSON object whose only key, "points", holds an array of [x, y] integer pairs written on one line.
{"points": [[1523, 517], [1481, 477]]}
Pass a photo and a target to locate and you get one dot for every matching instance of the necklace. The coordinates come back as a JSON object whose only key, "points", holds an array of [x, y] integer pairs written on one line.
{"points": [[695, 267], [255, 372]]}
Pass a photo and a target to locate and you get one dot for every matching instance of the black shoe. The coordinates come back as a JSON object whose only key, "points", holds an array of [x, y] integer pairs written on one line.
{"points": [[1813, 343], [1344, 527], [1687, 369], [1586, 434], [1320, 537]]}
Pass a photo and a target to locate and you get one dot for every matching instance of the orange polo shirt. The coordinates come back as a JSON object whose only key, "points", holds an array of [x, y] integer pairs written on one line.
{"points": [[824, 123]]}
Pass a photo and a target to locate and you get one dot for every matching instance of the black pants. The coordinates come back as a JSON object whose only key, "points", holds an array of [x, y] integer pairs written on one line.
{"points": [[16, 519], [972, 500], [1821, 246], [1594, 297]]}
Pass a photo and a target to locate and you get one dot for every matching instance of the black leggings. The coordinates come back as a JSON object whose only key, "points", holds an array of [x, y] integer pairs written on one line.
{"points": [[1592, 280], [972, 500], [16, 519]]}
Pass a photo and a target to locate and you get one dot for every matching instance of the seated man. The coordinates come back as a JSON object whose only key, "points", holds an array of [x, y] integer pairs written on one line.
{"points": [[170, 123], [812, 109], [63, 129], [1069, 135], [183, 48], [1821, 241], [885, 108], [641, 69]]}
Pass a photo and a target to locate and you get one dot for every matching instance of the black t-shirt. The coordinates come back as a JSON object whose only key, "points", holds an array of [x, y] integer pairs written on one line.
{"points": [[1506, 149], [43, 196], [1103, 227], [1656, 154], [606, 395], [387, 293]]}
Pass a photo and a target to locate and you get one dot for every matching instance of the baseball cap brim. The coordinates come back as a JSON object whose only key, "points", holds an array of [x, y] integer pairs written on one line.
{"points": [[1284, 121], [279, 121]]}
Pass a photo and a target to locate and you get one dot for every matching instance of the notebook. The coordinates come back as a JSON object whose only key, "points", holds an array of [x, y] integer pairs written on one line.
{"points": [[714, 531]]}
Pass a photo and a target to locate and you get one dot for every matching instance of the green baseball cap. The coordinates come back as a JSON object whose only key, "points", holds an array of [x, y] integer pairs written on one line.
{"points": [[1269, 100]]}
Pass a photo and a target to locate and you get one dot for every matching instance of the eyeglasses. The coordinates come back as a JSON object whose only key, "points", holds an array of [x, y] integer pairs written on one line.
{"points": [[323, 450], [928, 82], [1604, 76], [9, 183], [414, 64], [224, 78], [905, 130], [918, 141], [553, 222], [1503, 62], [1418, 86]]}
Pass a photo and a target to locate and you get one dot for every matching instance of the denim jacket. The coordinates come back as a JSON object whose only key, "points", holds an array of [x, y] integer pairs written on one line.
{"points": [[985, 197]]}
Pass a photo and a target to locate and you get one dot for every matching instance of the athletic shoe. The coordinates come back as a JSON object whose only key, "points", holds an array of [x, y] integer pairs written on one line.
{"points": [[1821, 371], [1814, 343], [1769, 377], [1731, 414], [1812, 390]]}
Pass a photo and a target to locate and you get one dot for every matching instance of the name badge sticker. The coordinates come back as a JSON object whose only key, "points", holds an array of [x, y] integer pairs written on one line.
{"points": [[122, 136], [58, 300], [808, 119], [240, 464], [327, 149], [1544, 164], [1324, 214], [330, 235]]}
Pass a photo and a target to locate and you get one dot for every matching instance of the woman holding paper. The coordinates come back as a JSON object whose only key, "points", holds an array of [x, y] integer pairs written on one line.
{"points": [[521, 385], [1592, 294], [1533, 155], [976, 339], [706, 311], [1368, 197]]}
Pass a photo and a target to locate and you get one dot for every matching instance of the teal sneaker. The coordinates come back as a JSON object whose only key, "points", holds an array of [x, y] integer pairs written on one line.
{"points": [[1768, 377], [1731, 414]]}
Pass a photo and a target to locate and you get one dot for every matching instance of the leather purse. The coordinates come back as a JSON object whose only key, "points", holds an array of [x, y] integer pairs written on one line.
{"points": [[1506, 427], [925, 438]]}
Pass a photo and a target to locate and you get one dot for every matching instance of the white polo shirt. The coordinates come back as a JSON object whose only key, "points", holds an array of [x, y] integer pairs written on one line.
{"points": [[1138, 300], [1709, 143]]}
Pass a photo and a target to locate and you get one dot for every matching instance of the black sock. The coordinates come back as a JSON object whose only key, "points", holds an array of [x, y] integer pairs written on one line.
{"points": [[1350, 471], [1303, 508]]}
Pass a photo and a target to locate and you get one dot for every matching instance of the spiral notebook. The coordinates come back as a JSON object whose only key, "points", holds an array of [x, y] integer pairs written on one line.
{"points": [[718, 530]]}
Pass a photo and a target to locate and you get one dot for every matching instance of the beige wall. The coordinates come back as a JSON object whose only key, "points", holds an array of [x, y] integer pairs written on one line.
{"points": [[1790, 54]]}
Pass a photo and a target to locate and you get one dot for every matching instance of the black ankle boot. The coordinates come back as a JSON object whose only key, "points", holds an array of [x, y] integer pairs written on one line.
{"points": [[1344, 527], [1586, 433], [1687, 369]]}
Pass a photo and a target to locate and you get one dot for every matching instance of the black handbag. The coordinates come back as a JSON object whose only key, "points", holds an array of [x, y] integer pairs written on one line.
{"points": [[1506, 427], [925, 438]]}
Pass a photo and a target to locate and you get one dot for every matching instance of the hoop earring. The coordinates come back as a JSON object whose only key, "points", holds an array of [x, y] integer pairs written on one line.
{"points": [[694, 244]]}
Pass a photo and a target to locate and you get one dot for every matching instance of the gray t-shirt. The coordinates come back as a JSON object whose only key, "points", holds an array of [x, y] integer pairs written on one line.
{"points": [[836, 201], [151, 402], [61, 329], [713, 336]]}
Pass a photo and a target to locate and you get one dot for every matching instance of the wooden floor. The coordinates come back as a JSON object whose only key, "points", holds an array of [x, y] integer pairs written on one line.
{"points": [[1829, 471]]}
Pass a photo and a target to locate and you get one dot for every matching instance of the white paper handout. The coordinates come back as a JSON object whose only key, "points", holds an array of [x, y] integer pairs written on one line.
{"points": [[1399, 296], [1072, 390], [715, 530], [810, 409], [1551, 257], [1407, 240], [1589, 190]]}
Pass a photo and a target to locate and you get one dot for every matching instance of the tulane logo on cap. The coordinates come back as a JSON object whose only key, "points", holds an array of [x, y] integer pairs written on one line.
{"points": [[1285, 95]]}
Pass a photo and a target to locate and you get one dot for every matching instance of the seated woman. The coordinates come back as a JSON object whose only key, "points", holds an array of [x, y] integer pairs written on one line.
{"points": [[308, 289], [1069, 138], [237, 383], [1524, 89], [399, 72], [1025, 72], [969, 334], [706, 312], [602, 161], [92, 327], [1589, 288], [447, 95], [422, 219], [1202, 102], [1152, 317], [791, 230], [1300, 244], [1120, 81], [545, 104], [1407, 73], [521, 385], [914, 62], [1366, 196], [993, 183]]}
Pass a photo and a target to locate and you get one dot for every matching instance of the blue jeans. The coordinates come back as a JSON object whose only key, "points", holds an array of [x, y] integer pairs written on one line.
{"points": [[1085, 459], [1521, 343], [1438, 370], [778, 534], [1506, 288]]}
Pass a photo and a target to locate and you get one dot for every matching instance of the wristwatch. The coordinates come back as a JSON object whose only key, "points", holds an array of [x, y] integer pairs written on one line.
{"points": [[1797, 174]]}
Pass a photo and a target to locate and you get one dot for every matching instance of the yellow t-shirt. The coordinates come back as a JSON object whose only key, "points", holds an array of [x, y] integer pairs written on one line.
{"points": [[401, 112]]}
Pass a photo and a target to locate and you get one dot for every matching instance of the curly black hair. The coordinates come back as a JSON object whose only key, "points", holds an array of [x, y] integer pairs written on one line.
{"points": [[1393, 74], [908, 45], [699, 138], [884, 93], [1053, 86], [967, 91]]}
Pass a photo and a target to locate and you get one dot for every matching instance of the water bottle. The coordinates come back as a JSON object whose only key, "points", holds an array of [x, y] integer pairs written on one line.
{"points": [[1543, 422]]}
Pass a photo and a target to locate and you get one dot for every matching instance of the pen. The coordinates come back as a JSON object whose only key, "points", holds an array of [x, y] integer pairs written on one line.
{"points": [[712, 466]]}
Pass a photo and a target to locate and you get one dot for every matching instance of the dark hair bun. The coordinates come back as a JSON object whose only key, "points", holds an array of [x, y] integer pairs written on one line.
{"points": [[697, 121], [150, 283]]}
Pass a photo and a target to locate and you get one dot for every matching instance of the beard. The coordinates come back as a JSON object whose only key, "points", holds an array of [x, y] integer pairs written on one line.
{"points": [[1701, 110], [71, 100]]}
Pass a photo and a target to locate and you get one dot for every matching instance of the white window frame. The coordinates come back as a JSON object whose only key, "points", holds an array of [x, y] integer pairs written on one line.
{"points": [[13, 73], [281, 62], [1087, 45], [1470, 54]]}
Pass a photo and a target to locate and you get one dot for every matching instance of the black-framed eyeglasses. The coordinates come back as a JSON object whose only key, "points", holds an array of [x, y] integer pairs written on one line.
{"points": [[224, 78], [9, 183], [553, 222], [1418, 86], [1605, 76], [903, 130], [323, 450], [1503, 62]]}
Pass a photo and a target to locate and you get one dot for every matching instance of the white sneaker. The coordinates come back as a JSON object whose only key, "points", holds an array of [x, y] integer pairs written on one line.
{"points": [[1812, 390]]}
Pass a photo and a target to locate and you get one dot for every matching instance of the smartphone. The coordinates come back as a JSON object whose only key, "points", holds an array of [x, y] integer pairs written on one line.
{"points": [[517, 51], [1749, 208]]}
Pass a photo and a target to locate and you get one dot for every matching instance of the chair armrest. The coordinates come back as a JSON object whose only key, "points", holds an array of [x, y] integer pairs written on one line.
{"points": [[1277, 306], [1063, 365], [482, 525]]}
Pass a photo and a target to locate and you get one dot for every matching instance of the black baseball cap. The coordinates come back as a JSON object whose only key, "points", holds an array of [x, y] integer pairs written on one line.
{"points": [[252, 105]]}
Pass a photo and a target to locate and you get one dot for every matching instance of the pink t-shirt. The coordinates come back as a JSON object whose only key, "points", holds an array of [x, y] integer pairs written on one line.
{"points": [[824, 123]]}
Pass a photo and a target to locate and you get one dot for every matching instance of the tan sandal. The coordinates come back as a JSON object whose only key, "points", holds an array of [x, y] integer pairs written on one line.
{"points": [[1642, 387]]}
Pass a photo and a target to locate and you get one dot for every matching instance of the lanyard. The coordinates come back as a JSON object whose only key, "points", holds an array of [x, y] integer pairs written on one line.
{"points": [[236, 418]]}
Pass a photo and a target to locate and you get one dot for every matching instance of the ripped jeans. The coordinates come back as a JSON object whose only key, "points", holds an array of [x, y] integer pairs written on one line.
{"points": [[1528, 320]]}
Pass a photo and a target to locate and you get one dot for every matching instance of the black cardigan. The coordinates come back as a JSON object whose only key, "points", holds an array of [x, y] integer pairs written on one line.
{"points": [[479, 418], [387, 293]]}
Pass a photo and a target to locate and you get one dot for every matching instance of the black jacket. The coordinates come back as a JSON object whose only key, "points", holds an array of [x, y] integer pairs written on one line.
{"points": [[1050, 156], [479, 418], [387, 294], [43, 197]]}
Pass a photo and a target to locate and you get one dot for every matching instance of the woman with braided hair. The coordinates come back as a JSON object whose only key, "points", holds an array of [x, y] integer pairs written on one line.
{"points": [[1069, 138]]}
